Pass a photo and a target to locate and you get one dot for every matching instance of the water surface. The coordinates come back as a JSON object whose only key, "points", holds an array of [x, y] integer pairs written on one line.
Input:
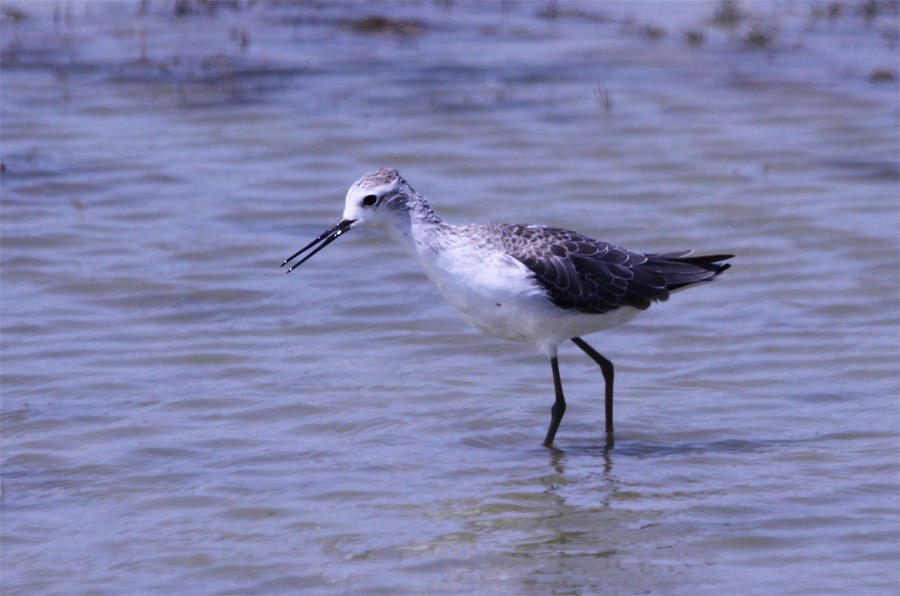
{"points": [[179, 416]]}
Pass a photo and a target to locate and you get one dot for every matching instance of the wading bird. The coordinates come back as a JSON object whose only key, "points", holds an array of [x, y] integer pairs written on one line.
{"points": [[527, 283]]}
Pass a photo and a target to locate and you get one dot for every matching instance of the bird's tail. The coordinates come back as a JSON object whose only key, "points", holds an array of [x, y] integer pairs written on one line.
{"points": [[680, 270]]}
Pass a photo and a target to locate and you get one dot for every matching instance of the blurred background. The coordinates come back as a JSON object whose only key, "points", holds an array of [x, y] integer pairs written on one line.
{"points": [[179, 416]]}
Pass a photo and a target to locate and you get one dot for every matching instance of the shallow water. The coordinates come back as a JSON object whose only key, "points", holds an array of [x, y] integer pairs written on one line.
{"points": [[179, 416]]}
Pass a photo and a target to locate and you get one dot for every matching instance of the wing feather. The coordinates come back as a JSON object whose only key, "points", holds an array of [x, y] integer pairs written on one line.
{"points": [[591, 276]]}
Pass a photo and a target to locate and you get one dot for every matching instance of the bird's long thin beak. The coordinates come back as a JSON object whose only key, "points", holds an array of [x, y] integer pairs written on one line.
{"points": [[326, 238]]}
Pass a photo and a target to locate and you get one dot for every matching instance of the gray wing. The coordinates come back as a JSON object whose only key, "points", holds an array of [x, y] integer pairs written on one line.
{"points": [[596, 277]]}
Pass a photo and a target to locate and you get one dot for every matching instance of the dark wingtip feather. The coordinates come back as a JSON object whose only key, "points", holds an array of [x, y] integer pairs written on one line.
{"points": [[701, 268], [704, 259]]}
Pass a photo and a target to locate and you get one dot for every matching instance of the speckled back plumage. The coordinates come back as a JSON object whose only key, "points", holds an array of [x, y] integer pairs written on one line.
{"points": [[592, 276]]}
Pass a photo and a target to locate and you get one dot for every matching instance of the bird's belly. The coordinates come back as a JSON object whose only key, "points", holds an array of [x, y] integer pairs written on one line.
{"points": [[501, 298], [537, 321]]}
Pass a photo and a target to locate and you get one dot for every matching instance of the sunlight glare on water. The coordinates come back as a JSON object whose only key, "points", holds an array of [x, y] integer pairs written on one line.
{"points": [[179, 416]]}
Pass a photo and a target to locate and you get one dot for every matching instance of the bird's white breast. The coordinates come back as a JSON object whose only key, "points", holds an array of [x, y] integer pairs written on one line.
{"points": [[498, 295]]}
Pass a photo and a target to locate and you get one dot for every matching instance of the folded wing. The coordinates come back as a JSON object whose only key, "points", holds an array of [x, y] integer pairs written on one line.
{"points": [[596, 277]]}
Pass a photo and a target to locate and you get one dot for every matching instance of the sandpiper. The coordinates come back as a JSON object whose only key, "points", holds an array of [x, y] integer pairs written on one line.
{"points": [[527, 283]]}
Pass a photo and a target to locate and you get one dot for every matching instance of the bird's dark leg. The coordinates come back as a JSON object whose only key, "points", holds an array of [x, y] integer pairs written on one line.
{"points": [[559, 407], [607, 368]]}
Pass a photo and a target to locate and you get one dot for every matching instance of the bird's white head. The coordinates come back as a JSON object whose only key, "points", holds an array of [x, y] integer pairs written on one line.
{"points": [[377, 199], [381, 199]]}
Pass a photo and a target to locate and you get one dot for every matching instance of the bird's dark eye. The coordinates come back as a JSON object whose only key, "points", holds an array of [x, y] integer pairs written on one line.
{"points": [[370, 200]]}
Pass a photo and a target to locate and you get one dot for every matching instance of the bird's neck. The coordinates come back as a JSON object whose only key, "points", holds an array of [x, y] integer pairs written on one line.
{"points": [[421, 213], [415, 232]]}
